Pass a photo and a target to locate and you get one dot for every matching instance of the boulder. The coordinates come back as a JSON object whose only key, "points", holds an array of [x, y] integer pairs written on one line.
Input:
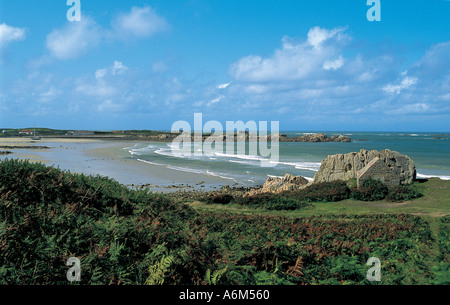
{"points": [[347, 166], [277, 185]]}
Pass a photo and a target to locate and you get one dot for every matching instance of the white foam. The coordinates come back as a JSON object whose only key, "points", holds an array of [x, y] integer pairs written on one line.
{"points": [[273, 176], [151, 163], [237, 156], [311, 166], [142, 150], [219, 175], [254, 163], [185, 169], [168, 153], [128, 148], [432, 176]]}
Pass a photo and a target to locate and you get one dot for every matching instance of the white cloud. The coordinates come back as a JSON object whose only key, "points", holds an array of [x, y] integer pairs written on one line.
{"points": [[100, 73], [118, 68], [417, 108], [109, 106], [407, 82], [223, 86], [74, 39], [294, 60], [216, 100], [317, 36], [101, 89], [333, 64], [9, 34], [140, 22], [51, 94], [108, 82]]}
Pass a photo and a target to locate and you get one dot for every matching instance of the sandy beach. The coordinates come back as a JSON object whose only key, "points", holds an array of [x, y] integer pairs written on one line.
{"points": [[106, 158]]}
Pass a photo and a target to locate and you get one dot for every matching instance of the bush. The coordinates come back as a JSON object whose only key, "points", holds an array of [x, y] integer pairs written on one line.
{"points": [[221, 199], [48, 215], [292, 200], [271, 202], [403, 193], [371, 190], [322, 192]]}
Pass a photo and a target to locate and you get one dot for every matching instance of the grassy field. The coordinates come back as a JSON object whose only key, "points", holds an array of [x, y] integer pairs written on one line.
{"points": [[433, 208], [434, 203]]}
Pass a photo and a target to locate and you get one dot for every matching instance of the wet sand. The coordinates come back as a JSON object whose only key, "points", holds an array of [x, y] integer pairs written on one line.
{"points": [[109, 159]]}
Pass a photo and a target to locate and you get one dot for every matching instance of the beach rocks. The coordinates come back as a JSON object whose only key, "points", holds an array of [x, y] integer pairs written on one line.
{"points": [[278, 185], [346, 166]]}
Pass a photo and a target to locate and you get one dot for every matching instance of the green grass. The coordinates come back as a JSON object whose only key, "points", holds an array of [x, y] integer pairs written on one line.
{"points": [[435, 203]]}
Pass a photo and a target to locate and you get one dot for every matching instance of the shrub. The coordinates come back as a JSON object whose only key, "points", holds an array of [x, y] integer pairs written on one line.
{"points": [[322, 192], [48, 215], [403, 193], [221, 199], [271, 202], [371, 190]]}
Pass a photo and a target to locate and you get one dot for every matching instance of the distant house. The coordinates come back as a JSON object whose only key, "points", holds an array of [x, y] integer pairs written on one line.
{"points": [[26, 132], [378, 170]]}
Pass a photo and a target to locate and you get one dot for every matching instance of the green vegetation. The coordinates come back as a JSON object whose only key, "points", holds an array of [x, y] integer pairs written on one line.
{"points": [[442, 269], [322, 192], [370, 190], [125, 236], [9, 132]]}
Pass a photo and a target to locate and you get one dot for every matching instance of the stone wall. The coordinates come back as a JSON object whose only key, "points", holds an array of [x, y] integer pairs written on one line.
{"points": [[378, 170]]}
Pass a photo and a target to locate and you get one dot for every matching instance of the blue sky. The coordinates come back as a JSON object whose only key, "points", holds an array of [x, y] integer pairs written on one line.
{"points": [[311, 65]]}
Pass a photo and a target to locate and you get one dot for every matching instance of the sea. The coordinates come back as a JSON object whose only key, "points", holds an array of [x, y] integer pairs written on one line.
{"points": [[429, 151]]}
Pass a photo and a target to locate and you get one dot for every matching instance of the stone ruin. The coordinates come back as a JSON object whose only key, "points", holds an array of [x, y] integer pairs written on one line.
{"points": [[378, 170]]}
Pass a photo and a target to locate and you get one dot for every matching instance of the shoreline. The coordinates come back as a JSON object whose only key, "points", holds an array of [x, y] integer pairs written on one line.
{"points": [[109, 159]]}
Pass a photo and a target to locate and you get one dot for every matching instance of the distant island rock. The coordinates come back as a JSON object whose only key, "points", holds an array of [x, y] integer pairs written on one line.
{"points": [[317, 137]]}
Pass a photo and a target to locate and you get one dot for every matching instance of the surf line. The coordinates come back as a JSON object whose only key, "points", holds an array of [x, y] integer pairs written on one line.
{"points": [[238, 137]]}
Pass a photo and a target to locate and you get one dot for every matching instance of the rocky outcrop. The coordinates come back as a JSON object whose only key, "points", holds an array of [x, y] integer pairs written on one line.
{"points": [[346, 166], [277, 185], [317, 137]]}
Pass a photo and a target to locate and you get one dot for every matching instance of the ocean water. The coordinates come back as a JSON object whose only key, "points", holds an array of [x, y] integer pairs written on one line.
{"points": [[430, 152]]}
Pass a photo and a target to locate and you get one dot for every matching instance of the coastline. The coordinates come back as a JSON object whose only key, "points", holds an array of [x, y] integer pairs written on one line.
{"points": [[109, 159]]}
